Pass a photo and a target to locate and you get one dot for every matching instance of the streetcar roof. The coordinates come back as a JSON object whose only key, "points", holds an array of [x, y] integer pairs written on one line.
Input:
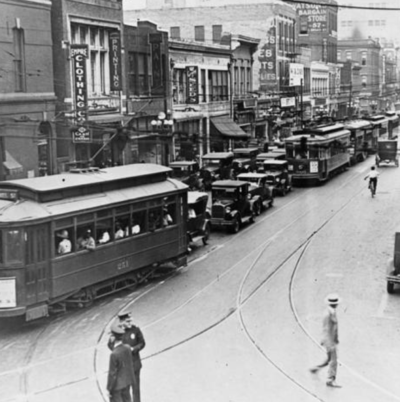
{"points": [[26, 210], [251, 175], [244, 150], [182, 163], [227, 183], [355, 124], [218, 155], [70, 184], [312, 138]]}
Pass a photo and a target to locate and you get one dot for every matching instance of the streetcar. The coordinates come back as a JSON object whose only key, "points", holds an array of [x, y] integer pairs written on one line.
{"points": [[73, 237], [386, 125], [363, 138], [316, 154]]}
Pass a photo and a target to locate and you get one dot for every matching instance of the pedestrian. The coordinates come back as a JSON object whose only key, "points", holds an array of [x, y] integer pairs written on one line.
{"points": [[330, 340], [132, 337], [120, 374]]}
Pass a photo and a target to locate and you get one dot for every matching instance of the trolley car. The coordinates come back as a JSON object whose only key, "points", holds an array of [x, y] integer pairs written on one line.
{"points": [[363, 139], [316, 154], [133, 217]]}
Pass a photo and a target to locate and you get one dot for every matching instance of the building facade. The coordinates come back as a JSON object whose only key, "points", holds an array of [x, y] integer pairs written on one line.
{"points": [[27, 100], [88, 75]]}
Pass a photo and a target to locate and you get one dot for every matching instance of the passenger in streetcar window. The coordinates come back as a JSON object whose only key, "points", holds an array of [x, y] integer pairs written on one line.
{"points": [[86, 241], [64, 247], [191, 213], [167, 219], [119, 233], [105, 237], [154, 220]]}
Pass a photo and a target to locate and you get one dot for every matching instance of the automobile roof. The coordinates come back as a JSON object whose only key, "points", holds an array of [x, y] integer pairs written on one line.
{"points": [[270, 155], [252, 175], [245, 150], [194, 196], [217, 155], [228, 183], [182, 163], [275, 161], [354, 124]]}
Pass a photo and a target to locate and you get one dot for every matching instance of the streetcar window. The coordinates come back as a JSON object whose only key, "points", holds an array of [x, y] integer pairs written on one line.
{"points": [[313, 153], [64, 241], [13, 246], [121, 223], [85, 239], [137, 224], [104, 231], [155, 219], [169, 215]]}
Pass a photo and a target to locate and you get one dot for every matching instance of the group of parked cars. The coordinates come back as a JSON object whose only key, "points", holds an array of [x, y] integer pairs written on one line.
{"points": [[243, 183]]}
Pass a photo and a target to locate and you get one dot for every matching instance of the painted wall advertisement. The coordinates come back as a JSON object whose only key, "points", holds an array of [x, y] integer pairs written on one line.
{"points": [[267, 59], [192, 84], [79, 54], [313, 17], [115, 61]]}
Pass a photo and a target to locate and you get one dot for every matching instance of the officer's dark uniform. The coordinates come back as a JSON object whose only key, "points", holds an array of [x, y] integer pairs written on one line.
{"points": [[134, 338]]}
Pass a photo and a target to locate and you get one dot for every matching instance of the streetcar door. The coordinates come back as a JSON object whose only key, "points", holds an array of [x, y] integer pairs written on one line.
{"points": [[37, 251]]}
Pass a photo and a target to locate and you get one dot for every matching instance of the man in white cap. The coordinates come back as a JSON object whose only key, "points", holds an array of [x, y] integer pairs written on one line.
{"points": [[330, 340], [64, 246]]}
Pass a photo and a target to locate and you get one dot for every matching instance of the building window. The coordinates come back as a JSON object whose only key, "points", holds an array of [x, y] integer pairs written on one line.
{"points": [[19, 60], [339, 55], [218, 82], [377, 22], [370, 23], [97, 38], [364, 81], [179, 86], [175, 32], [364, 58], [216, 33], [348, 55], [203, 84], [199, 33], [383, 23]]}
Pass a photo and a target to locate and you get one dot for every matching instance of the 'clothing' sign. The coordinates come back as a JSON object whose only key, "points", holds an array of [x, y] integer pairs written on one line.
{"points": [[79, 54]]}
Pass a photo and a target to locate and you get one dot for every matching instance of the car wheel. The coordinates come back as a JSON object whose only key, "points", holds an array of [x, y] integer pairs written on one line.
{"points": [[390, 287], [236, 226], [206, 234], [257, 208], [283, 191]]}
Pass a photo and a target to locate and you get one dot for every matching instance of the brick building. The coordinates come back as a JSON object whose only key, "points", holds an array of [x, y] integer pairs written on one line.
{"points": [[88, 73], [27, 100]]}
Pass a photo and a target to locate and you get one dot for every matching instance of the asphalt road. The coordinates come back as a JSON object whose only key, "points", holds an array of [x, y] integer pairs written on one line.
{"points": [[242, 321]]}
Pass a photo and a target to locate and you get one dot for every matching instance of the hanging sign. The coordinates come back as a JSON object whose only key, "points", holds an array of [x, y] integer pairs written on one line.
{"points": [[115, 61], [79, 54], [192, 84]]}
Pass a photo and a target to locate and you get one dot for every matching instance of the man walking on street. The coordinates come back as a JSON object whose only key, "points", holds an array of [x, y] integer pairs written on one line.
{"points": [[330, 340], [120, 373], [132, 337]]}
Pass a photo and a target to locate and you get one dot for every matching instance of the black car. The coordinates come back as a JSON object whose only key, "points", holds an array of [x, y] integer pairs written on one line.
{"points": [[216, 166], [231, 205], [278, 176], [187, 172]]}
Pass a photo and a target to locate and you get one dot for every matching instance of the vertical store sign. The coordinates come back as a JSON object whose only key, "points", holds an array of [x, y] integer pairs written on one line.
{"points": [[192, 84], [267, 58], [79, 54], [115, 61], [155, 40]]}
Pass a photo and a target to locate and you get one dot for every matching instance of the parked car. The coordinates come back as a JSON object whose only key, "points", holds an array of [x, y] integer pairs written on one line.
{"points": [[261, 192], [277, 154], [187, 172], [231, 204], [387, 152], [198, 223], [216, 166], [278, 176], [244, 160], [393, 269]]}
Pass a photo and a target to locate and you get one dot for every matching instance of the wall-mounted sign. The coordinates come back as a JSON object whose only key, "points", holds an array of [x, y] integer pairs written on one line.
{"points": [[157, 68], [79, 54], [296, 74], [313, 17], [192, 84], [115, 61], [288, 102], [8, 295], [267, 58]]}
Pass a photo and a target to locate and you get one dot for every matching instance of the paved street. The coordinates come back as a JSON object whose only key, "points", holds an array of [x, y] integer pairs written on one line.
{"points": [[242, 321]]}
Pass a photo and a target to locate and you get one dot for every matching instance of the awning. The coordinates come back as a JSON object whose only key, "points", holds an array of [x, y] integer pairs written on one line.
{"points": [[227, 127], [12, 166]]}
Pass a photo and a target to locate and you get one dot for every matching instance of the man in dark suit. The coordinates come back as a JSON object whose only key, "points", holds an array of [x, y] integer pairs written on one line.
{"points": [[132, 337], [120, 373]]}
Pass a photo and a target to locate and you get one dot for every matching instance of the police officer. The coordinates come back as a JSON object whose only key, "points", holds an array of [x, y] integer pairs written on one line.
{"points": [[120, 373], [132, 337]]}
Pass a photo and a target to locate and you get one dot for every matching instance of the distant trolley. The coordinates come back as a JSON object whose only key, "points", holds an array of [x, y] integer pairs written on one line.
{"points": [[316, 154], [133, 215]]}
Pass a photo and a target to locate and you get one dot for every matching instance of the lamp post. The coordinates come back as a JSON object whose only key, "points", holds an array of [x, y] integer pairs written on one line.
{"points": [[163, 125]]}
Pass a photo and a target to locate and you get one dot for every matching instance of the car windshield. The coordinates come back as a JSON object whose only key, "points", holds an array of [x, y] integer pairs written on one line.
{"points": [[271, 166], [224, 193], [249, 179], [181, 171]]}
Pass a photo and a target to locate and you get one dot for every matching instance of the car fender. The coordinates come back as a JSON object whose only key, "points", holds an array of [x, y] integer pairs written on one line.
{"points": [[235, 214]]}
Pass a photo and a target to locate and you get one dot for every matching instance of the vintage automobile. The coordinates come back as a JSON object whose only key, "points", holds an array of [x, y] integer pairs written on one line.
{"points": [[393, 271], [244, 160], [387, 152], [198, 223], [261, 192], [216, 166], [278, 176], [231, 204], [277, 154], [187, 172]]}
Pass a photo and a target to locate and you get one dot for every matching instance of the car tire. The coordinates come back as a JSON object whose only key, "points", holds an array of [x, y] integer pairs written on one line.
{"points": [[236, 226], [257, 208], [390, 287], [283, 191]]}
